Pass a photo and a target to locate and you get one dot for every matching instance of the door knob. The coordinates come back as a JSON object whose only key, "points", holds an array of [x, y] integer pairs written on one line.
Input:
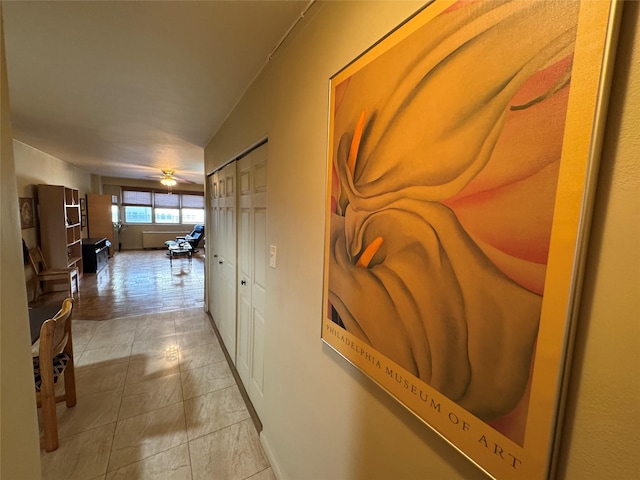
{"points": [[220, 262], [243, 282]]}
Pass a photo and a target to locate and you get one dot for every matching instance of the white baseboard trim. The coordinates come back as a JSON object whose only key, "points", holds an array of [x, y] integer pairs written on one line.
{"points": [[270, 456]]}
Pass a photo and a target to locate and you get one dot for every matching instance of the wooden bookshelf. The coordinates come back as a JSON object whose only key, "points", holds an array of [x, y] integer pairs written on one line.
{"points": [[60, 228]]}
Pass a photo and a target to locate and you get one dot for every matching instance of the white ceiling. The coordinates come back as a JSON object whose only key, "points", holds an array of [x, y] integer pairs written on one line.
{"points": [[125, 89]]}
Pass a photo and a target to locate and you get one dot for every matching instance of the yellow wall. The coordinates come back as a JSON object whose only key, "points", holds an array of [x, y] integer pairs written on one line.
{"points": [[602, 434], [322, 418], [34, 167], [19, 448]]}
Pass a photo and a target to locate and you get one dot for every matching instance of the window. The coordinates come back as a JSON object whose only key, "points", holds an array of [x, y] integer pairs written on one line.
{"points": [[193, 215], [115, 213], [137, 206], [192, 208], [136, 197], [167, 207], [137, 214], [145, 206], [167, 215]]}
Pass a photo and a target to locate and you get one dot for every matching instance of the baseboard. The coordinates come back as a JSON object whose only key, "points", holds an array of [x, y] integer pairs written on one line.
{"points": [[266, 446], [252, 411]]}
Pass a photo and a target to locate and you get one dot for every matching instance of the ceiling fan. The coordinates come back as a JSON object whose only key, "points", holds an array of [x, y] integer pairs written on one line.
{"points": [[169, 178]]}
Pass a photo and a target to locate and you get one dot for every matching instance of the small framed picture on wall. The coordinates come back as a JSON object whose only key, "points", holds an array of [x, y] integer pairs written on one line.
{"points": [[27, 217]]}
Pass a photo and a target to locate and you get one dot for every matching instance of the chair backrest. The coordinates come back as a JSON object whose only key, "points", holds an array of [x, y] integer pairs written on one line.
{"points": [[197, 232], [37, 260], [196, 235], [55, 333]]}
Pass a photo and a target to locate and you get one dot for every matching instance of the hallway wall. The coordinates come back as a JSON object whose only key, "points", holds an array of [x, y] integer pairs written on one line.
{"points": [[322, 418], [19, 448]]}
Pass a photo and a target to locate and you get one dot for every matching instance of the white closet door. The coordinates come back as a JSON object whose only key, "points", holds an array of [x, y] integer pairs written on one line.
{"points": [[221, 250], [227, 259], [243, 354], [211, 258], [252, 264], [216, 234]]}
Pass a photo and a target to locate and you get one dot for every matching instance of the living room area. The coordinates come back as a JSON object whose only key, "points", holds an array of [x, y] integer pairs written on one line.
{"points": [[150, 373]]}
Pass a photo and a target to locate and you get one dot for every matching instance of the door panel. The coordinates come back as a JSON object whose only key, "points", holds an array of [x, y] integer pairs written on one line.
{"points": [[244, 292], [256, 387], [221, 248], [228, 196], [213, 246], [260, 247], [258, 297], [219, 236], [252, 262]]}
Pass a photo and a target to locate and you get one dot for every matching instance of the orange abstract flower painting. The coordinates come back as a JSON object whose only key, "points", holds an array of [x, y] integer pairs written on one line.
{"points": [[446, 148]]}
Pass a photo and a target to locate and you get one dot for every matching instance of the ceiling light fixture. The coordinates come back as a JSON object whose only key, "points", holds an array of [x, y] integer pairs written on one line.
{"points": [[168, 180]]}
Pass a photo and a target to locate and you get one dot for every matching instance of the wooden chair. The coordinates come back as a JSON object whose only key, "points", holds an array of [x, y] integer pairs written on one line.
{"points": [[46, 274], [55, 358]]}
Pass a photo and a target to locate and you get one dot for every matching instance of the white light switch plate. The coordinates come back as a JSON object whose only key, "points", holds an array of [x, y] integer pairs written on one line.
{"points": [[273, 253]]}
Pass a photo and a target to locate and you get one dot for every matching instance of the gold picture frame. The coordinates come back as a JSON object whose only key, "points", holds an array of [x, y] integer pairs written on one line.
{"points": [[462, 153]]}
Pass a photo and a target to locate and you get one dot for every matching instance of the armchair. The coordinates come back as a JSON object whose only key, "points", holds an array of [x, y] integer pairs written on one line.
{"points": [[194, 237]]}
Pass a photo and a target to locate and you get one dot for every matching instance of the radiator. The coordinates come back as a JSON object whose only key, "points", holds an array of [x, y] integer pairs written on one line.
{"points": [[157, 239]]}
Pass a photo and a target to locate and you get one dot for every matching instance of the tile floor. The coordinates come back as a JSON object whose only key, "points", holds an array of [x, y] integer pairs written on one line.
{"points": [[156, 398]]}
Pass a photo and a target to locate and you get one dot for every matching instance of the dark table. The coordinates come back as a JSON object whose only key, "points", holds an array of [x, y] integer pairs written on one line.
{"points": [[37, 316]]}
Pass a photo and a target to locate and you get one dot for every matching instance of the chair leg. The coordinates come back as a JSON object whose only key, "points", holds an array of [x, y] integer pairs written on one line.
{"points": [[70, 384], [70, 285], [36, 289], [49, 417]]}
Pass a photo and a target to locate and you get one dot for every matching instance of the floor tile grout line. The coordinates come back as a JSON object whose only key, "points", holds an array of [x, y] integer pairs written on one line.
{"points": [[219, 429], [144, 458], [113, 439], [147, 411], [213, 391], [258, 472], [184, 411]]}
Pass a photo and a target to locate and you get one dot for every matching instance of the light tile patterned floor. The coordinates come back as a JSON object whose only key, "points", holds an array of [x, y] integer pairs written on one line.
{"points": [[156, 399]]}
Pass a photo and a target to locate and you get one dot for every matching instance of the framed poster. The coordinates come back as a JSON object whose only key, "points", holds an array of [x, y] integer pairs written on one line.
{"points": [[27, 215], [462, 156]]}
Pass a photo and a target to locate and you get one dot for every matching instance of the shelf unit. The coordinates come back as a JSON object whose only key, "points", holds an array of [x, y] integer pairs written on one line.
{"points": [[60, 228]]}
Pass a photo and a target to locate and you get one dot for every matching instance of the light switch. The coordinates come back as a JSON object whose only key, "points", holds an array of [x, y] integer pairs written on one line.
{"points": [[273, 252]]}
